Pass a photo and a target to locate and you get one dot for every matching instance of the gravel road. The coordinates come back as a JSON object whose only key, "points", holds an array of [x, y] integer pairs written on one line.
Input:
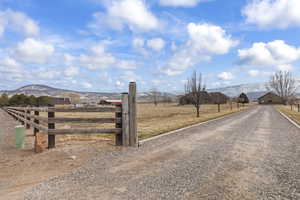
{"points": [[254, 154]]}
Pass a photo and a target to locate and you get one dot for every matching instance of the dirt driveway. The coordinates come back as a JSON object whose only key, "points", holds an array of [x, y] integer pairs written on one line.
{"points": [[250, 155], [21, 169]]}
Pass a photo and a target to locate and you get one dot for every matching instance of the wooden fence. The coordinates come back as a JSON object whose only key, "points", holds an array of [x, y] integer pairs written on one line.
{"points": [[125, 130]]}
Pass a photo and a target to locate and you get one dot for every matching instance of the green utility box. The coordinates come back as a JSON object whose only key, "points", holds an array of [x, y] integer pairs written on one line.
{"points": [[20, 136]]}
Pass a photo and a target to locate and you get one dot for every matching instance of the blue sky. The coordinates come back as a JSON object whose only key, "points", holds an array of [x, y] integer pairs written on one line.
{"points": [[101, 45]]}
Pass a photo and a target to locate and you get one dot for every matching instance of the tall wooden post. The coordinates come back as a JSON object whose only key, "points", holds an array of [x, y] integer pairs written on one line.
{"points": [[28, 112], [51, 138], [132, 115], [118, 115], [35, 130], [125, 120], [219, 108]]}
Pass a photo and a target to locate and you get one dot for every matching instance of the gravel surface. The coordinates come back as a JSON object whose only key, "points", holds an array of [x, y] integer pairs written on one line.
{"points": [[250, 155]]}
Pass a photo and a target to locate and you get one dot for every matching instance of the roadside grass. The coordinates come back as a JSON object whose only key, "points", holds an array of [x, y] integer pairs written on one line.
{"points": [[152, 120], [293, 114]]}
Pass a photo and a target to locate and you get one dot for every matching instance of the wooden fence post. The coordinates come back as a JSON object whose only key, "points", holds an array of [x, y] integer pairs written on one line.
{"points": [[51, 138], [28, 112], [133, 137], [35, 130], [119, 125], [23, 116], [125, 120]]}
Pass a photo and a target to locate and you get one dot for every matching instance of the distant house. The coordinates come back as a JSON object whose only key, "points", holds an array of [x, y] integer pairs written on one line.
{"points": [[270, 98], [218, 98], [57, 101], [206, 98]]}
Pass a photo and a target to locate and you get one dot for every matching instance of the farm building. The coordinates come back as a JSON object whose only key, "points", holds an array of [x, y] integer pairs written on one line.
{"points": [[206, 98], [57, 101], [270, 98], [218, 98]]}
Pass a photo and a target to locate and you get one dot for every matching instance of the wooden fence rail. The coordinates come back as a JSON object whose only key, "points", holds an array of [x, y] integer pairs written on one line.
{"points": [[124, 120]]}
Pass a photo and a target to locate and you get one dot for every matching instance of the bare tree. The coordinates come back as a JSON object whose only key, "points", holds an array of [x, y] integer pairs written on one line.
{"points": [[194, 89], [155, 95], [283, 84]]}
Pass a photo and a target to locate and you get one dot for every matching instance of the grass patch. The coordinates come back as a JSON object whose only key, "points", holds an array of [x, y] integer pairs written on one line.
{"points": [[293, 114], [152, 120]]}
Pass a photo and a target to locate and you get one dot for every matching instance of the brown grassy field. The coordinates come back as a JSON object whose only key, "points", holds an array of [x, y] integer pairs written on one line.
{"points": [[293, 114], [152, 120]]}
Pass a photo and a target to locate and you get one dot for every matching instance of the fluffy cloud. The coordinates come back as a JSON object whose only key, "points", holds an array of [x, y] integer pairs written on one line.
{"points": [[226, 76], [209, 39], [156, 44], [99, 58], [268, 54], [133, 13], [138, 43], [253, 72], [9, 65], [176, 3], [87, 85], [286, 68], [18, 22], [273, 13], [33, 51], [71, 71], [204, 40]]}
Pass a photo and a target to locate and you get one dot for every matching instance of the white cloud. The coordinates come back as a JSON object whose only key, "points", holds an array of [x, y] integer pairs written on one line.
{"points": [[176, 3], [286, 68], [204, 40], [209, 39], [71, 71], [273, 13], [156, 44], [226, 76], [9, 65], [87, 85], [269, 54], [138, 43], [123, 64], [253, 73], [129, 76], [98, 58], [33, 51], [133, 13], [47, 74], [18, 22]]}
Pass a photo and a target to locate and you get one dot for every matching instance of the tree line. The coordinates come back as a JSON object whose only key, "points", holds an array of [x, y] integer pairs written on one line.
{"points": [[23, 100]]}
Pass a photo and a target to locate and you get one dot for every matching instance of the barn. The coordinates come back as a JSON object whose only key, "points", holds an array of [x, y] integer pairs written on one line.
{"points": [[270, 98]]}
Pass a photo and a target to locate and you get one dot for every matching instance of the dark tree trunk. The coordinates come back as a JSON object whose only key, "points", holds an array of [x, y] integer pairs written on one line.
{"points": [[198, 111]]}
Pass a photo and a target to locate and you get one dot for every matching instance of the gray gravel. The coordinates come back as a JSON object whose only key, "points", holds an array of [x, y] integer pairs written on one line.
{"points": [[250, 155]]}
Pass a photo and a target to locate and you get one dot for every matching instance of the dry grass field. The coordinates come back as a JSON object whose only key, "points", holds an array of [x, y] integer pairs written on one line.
{"points": [[293, 114], [152, 120]]}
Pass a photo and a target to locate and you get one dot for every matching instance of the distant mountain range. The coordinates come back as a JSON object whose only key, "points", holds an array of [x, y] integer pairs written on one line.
{"points": [[253, 90], [44, 90]]}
